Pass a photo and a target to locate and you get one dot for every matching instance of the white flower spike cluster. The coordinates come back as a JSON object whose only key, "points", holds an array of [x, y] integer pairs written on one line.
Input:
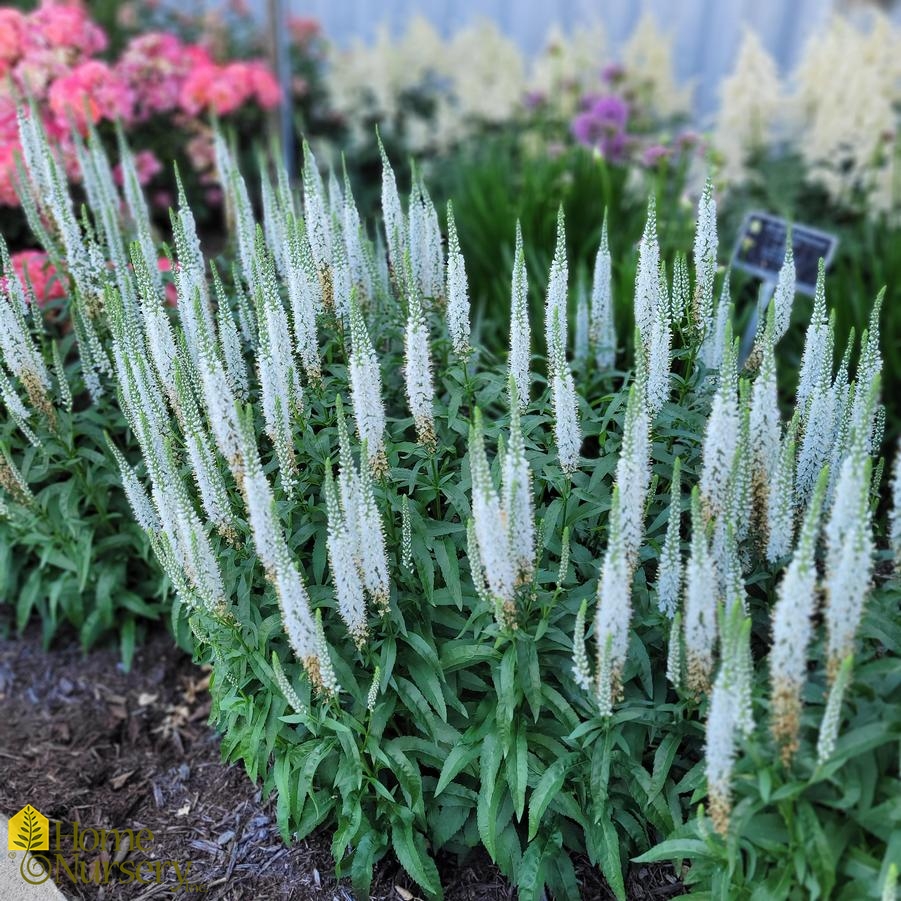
{"points": [[504, 548], [184, 387]]}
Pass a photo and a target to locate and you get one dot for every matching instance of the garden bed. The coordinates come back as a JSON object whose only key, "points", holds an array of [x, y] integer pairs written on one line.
{"points": [[85, 741]]}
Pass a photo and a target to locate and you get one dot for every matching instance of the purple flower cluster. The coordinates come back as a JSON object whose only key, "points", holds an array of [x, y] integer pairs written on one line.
{"points": [[602, 125]]}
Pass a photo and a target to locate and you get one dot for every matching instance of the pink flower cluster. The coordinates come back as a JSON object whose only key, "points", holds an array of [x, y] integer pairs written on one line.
{"points": [[34, 267], [50, 56]]}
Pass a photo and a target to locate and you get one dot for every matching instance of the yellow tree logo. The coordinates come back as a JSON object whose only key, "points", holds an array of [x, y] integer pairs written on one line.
{"points": [[29, 830]]}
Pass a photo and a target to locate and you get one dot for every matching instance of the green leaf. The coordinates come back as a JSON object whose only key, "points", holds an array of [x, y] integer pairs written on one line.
{"points": [[459, 758], [486, 811], [675, 849], [530, 675], [362, 863], [464, 654], [518, 772], [127, 642], [506, 692], [550, 783], [610, 860], [410, 850], [530, 876]]}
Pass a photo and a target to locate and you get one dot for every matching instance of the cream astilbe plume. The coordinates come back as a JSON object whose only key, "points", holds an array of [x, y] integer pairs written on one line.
{"points": [[669, 566], [490, 529], [457, 290], [705, 253], [602, 329], [520, 329], [418, 368], [366, 390], [567, 430], [648, 62], [751, 100], [796, 605], [557, 291], [700, 608]]}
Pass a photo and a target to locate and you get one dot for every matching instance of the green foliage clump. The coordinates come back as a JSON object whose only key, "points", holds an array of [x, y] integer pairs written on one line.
{"points": [[395, 600]]}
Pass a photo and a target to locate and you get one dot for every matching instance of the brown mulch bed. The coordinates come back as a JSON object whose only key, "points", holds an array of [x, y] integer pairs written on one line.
{"points": [[85, 742]]}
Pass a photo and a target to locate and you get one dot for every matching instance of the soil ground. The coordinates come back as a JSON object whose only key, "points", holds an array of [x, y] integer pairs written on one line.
{"points": [[85, 742]]}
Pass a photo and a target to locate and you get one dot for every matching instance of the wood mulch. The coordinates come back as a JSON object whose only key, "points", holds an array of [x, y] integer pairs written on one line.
{"points": [[85, 742]]}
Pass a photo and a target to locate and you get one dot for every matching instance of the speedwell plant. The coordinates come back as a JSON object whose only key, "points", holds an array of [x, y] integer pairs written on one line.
{"points": [[70, 550], [545, 607]]}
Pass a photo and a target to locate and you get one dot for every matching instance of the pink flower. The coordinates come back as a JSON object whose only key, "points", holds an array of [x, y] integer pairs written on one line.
{"points": [[164, 264], [63, 25], [201, 151], [89, 93], [8, 196], [212, 87], [146, 166], [35, 266], [38, 69], [263, 85], [12, 34], [163, 200], [303, 29], [155, 67]]}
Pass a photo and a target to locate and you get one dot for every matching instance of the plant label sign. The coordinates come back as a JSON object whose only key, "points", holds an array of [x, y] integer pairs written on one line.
{"points": [[760, 249]]}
